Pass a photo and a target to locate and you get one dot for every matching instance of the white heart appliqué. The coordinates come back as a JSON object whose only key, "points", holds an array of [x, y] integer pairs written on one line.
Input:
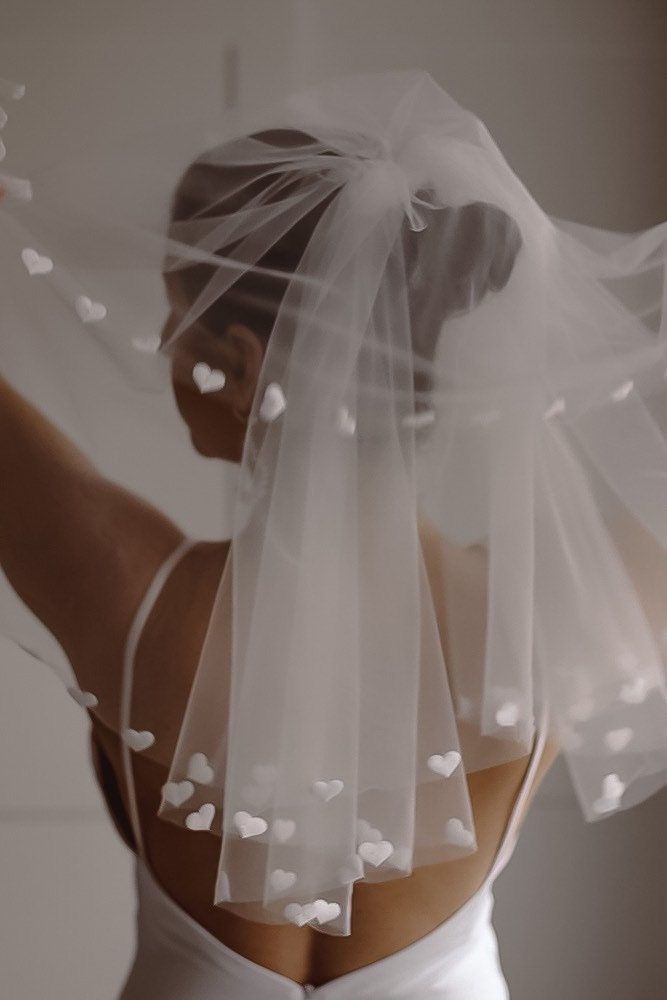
{"points": [[89, 311], [375, 853], [199, 769], [138, 740], [612, 790], [327, 790], [618, 739], [273, 404], [208, 379], [147, 345], [283, 829], [280, 880], [177, 792], [324, 912], [202, 819], [612, 786], [444, 764], [84, 698], [35, 263], [300, 915], [456, 833], [249, 826], [508, 714]]}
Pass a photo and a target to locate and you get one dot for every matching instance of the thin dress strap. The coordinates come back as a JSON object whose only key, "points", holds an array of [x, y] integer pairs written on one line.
{"points": [[510, 833], [131, 644]]}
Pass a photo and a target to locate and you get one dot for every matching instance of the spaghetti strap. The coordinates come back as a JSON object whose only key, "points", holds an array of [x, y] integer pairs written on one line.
{"points": [[510, 833], [131, 643]]}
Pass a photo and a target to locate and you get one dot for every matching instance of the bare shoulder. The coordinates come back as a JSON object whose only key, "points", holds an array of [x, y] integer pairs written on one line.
{"points": [[168, 651], [129, 539]]}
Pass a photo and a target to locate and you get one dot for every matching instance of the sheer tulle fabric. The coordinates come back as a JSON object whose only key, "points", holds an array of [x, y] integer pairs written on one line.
{"points": [[445, 361]]}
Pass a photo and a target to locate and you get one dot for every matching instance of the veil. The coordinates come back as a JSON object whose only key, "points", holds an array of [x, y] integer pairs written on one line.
{"points": [[444, 367]]}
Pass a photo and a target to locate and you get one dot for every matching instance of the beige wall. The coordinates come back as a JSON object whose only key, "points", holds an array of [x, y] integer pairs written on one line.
{"points": [[571, 90]]}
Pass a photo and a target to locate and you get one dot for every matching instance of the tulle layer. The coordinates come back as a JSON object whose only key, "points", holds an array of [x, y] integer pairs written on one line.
{"points": [[449, 521]]}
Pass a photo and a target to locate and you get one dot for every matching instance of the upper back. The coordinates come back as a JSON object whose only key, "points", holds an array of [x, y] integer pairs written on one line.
{"points": [[185, 864]]}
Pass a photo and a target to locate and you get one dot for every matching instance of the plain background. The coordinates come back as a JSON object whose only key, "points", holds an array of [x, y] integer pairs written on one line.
{"points": [[573, 91]]}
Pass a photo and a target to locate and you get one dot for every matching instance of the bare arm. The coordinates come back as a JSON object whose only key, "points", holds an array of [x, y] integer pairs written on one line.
{"points": [[75, 547]]}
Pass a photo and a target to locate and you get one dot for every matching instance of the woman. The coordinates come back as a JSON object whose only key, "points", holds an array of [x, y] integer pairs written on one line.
{"points": [[143, 612]]}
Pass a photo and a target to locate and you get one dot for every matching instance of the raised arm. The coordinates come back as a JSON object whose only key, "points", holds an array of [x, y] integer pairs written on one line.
{"points": [[77, 548]]}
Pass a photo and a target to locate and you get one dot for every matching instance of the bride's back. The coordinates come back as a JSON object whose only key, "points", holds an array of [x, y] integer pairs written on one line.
{"points": [[386, 916]]}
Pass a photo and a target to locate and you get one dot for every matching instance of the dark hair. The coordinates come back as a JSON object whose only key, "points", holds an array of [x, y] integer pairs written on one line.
{"points": [[477, 255], [212, 189]]}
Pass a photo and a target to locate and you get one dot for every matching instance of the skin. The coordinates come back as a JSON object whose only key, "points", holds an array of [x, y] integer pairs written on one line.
{"points": [[217, 421], [89, 522]]}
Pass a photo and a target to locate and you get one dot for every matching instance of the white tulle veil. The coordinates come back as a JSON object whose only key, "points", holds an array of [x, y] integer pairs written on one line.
{"points": [[445, 365]]}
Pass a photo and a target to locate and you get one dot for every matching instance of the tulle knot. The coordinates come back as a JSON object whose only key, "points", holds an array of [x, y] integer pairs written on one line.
{"points": [[386, 183]]}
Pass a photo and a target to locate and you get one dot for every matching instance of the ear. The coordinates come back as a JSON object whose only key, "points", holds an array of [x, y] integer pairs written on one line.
{"points": [[246, 353]]}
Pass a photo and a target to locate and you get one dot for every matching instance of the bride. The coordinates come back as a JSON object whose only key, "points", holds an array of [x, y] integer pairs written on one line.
{"points": [[144, 611]]}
